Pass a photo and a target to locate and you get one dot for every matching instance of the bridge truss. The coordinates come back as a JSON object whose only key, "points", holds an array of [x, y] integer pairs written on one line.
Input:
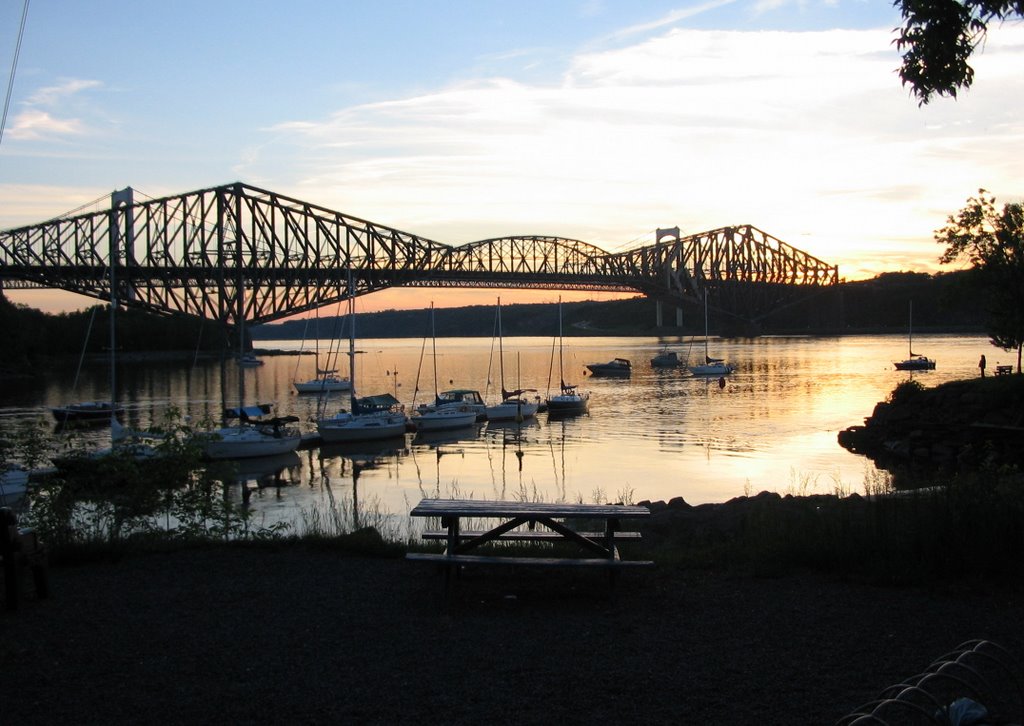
{"points": [[236, 253]]}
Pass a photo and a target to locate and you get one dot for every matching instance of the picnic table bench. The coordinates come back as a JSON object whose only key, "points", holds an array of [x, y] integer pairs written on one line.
{"points": [[463, 545]]}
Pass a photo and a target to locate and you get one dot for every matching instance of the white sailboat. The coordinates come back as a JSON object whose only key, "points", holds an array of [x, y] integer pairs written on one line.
{"points": [[914, 362], [569, 402], [371, 417], [514, 406], [327, 379], [711, 366], [257, 433], [443, 416]]}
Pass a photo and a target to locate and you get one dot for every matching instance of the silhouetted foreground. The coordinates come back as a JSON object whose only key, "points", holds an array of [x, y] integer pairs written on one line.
{"points": [[294, 634]]}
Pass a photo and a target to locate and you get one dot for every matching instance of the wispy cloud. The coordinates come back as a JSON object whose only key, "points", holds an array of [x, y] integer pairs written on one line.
{"points": [[44, 114]]}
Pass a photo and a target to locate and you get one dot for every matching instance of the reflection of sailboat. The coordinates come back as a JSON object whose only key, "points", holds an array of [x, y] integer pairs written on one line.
{"points": [[569, 402], [915, 362], [711, 366], [513, 406], [441, 417], [371, 417]]}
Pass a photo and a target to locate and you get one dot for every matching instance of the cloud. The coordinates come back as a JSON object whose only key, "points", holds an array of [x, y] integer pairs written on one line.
{"points": [[35, 124], [51, 95], [792, 132], [45, 114]]}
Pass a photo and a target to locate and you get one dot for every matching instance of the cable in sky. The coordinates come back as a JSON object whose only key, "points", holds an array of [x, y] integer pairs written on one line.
{"points": [[14, 68]]}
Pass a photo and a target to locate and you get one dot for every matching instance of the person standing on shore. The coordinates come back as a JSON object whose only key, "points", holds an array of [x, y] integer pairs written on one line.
{"points": [[981, 365]]}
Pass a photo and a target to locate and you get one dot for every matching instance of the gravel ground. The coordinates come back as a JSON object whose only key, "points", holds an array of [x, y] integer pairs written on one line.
{"points": [[295, 635]]}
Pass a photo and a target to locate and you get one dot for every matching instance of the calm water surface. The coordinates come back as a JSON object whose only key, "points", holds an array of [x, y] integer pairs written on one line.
{"points": [[657, 435]]}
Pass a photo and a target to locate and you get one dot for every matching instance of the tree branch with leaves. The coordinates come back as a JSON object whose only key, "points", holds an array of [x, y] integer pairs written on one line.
{"points": [[938, 37], [992, 241]]}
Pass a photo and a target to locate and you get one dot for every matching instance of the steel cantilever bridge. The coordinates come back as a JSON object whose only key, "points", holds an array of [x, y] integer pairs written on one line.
{"points": [[236, 253]]}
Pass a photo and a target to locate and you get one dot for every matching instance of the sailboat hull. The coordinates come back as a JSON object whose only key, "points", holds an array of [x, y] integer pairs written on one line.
{"points": [[920, 363], [247, 441]]}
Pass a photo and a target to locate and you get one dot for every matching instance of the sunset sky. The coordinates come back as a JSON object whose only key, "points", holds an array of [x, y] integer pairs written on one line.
{"points": [[462, 120]]}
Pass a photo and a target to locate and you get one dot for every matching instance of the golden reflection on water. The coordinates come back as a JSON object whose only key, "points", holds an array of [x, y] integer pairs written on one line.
{"points": [[656, 435]]}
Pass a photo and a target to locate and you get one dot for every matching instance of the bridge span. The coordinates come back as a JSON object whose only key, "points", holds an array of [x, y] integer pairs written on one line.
{"points": [[236, 253]]}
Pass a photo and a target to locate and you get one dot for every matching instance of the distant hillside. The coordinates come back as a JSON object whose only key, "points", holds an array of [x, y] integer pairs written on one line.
{"points": [[942, 302]]}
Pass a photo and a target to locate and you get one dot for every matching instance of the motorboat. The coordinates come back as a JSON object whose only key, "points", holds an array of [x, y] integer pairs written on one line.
{"points": [[666, 359], [325, 382], [86, 412], [619, 367], [712, 367], [569, 401], [254, 435], [915, 361]]}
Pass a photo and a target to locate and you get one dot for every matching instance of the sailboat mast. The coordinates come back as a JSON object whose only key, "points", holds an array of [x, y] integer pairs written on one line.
{"points": [[910, 329], [351, 345], [501, 351], [561, 373], [433, 347], [705, 325]]}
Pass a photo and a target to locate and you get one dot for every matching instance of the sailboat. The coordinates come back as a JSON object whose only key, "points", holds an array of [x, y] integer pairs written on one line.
{"points": [[914, 362], [93, 412], [442, 416], [513, 406], [257, 433], [711, 366], [327, 379], [371, 417], [569, 402]]}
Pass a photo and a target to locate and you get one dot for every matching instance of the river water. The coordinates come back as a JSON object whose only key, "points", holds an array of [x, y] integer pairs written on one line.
{"points": [[656, 435]]}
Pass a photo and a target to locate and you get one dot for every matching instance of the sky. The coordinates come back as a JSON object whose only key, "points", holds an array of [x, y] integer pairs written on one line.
{"points": [[462, 120]]}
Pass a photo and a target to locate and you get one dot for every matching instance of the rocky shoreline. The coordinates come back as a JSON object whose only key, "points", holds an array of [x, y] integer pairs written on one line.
{"points": [[955, 426]]}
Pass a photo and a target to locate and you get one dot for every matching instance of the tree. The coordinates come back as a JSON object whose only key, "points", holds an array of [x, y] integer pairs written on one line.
{"points": [[938, 37], [993, 243]]}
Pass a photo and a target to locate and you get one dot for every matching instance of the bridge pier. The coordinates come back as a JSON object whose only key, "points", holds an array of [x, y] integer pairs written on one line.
{"points": [[659, 315]]}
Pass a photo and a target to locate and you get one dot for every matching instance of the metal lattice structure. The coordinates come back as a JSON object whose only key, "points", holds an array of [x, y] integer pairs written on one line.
{"points": [[237, 253]]}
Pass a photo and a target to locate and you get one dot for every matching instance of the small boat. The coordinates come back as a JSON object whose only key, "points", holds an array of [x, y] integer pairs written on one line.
{"points": [[254, 435], [86, 411], [514, 406], [371, 418], [712, 367], [249, 360], [569, 401], [666, 359], [620, 367], [460, 397], [915, 362], [442, 417], [325, 382]]}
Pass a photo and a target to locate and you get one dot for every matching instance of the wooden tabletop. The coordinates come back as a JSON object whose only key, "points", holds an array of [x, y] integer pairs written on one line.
{"points": [[485, 508]]}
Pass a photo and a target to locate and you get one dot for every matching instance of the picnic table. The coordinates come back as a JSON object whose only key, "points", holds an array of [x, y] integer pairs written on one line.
{"points": [[462, 546]]}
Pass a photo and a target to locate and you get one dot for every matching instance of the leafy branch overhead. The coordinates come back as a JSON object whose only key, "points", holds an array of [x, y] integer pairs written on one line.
{"points": [[938, 37]]}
